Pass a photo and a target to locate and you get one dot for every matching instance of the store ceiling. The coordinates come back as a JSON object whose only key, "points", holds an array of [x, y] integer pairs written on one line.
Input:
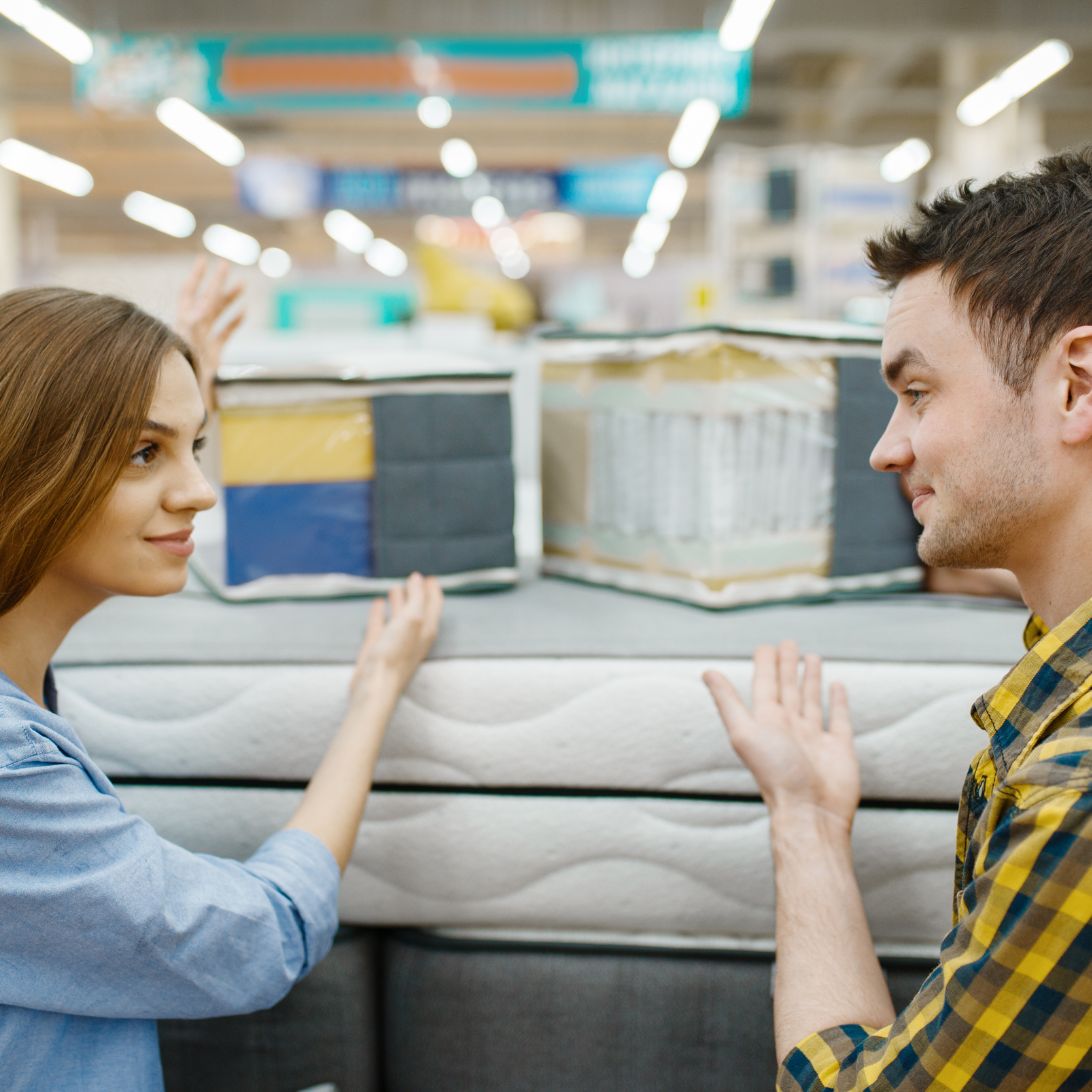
{"points": [[852, 71]]}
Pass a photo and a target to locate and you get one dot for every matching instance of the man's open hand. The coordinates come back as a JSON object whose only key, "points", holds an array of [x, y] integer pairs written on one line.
{"points": [[781, 739]]}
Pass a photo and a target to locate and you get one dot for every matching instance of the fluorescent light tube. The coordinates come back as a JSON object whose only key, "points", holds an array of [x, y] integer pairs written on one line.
{"points": [[906, 159], [434, 111], [50, 28], [637, 263], [516, 266], [742, 24], [275, 262], [1014, 82], [162, 215], [201, 131], [386, 258], [458, 158], [667, 195], [488, 212], [504, 241], [650, 233], [692, 134], [48, 169], [344, 228], [236, 246]]}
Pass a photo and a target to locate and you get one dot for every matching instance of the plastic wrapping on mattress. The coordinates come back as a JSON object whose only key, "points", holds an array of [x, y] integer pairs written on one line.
{"points": [[339, 483], [720, 466]]}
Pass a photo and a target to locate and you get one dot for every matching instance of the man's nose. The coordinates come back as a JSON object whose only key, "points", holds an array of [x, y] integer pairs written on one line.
{"points": [[892, 453]]}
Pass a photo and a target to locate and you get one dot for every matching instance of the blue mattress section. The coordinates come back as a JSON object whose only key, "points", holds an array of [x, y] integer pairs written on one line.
{"points": [[311, 527]]}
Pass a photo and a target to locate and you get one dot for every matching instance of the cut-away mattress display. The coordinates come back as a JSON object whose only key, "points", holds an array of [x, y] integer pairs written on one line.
{"points": [[341, 481], [720, 465]]}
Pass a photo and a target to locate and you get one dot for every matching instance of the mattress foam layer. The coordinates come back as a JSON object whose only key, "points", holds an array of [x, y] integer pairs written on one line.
{"points": [[609, 866], [553, 724]]}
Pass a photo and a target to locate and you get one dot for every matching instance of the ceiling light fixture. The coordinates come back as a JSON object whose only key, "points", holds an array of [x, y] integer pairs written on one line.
{"points": [[488, 212], [458, 158], [692, 134], [905, 160], [637, 263], [434, 111], [236, 246], [347, 230], [516, 266], [743, 24], [650, 234], [667, 195], [50, 28], [275, 262], [201, 131], [42, 167], [504, 241], [162, 215], [1014, 82], [386, 258]]}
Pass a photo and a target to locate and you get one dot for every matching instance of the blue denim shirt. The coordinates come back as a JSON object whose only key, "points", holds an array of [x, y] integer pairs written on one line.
{"points": [[105, 927]]}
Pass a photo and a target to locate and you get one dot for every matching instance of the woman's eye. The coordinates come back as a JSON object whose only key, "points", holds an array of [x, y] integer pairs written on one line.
{"points": [[144, 456], [199, 446]]}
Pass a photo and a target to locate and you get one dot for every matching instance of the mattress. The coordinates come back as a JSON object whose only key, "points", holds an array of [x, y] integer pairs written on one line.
{"points": [[557, 764]]}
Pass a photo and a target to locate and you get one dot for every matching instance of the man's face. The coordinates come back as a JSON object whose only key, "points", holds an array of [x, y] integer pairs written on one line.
{"points": [[964, 444], [139, 540]]}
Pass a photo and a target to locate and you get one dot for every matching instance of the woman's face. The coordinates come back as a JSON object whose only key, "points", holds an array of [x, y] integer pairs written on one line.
{"points": [[138, 542]]}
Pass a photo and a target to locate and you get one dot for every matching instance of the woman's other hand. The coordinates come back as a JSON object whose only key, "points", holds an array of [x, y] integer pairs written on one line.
{"points": [[400, 632], [202, 306]]}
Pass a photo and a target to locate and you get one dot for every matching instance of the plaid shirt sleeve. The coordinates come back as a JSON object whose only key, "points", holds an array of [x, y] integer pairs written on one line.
{"points": [[1010, 1004]]}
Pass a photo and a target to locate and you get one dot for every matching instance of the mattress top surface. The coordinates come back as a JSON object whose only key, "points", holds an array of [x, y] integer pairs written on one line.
{"points": [[549, 617]]}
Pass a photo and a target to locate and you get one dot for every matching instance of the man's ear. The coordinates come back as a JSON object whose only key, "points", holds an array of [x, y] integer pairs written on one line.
{"points": [[1076, 361]]}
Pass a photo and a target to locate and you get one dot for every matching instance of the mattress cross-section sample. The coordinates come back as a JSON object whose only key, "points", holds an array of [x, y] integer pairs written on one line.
{"points": [[336, 484], [720, 465]]}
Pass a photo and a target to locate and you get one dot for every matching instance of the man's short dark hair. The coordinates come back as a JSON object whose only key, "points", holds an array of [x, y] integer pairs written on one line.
{"points": [[1016, 252]]}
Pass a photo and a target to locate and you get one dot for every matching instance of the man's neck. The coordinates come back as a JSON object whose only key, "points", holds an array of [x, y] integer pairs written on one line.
{"points": [[31, 633], [1056, 578]]}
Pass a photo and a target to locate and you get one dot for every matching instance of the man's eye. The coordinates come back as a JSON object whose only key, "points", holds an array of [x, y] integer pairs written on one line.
{"points": [[914, 396], [144, 456]]}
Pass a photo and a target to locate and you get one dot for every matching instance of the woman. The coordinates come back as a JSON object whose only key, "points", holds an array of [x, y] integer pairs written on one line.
{"points": [[105, 927]]}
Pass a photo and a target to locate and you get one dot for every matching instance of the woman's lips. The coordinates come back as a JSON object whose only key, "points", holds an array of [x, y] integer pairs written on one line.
{"points": [[180, 544]]}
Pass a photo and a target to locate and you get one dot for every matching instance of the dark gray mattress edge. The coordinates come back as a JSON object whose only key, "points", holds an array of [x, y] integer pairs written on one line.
{"points": [[550, 617]]}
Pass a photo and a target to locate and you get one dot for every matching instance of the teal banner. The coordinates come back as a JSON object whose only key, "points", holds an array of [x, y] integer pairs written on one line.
{"points": [[639, 73]]}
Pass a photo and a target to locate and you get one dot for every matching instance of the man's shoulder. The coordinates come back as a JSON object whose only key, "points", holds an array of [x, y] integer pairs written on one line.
{"points": [[1061, 760]]}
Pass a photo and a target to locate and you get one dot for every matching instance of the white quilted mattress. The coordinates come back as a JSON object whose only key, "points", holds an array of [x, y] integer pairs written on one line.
{"points": [[581, 793]]}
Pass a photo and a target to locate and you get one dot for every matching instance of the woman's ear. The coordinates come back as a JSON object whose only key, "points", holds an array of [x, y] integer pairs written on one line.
{"points": [[1076, 360]]}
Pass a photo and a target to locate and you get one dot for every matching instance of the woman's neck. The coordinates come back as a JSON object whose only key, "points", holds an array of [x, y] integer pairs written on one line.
{"points": [[31, 633]]}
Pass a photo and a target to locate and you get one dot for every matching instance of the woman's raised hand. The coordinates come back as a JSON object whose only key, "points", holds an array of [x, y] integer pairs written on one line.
{"points": [[400, 632], [201, 310]]}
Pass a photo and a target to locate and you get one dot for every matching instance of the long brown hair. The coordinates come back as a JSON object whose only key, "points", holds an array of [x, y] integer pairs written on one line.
{"points": [[78, 372]]}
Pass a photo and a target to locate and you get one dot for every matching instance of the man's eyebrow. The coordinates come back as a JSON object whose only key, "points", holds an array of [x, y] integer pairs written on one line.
{"points": [[169, 430], [893, 368]]}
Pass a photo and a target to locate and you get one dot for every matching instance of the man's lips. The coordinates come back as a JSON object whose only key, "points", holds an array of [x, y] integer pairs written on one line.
{"points": [[918, 496]]}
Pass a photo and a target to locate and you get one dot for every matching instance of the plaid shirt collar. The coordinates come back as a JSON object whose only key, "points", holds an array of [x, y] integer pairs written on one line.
{"points": [[1055, 672]]}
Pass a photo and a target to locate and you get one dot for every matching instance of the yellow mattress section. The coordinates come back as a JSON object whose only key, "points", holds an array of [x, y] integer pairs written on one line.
{"points": [[289, 444]]}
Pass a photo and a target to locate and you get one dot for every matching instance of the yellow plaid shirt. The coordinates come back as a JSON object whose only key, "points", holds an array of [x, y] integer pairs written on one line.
{"points": [[1010, 1004]]}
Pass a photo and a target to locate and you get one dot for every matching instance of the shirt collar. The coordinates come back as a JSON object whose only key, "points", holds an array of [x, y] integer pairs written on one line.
{"points": [[1055, 670]]}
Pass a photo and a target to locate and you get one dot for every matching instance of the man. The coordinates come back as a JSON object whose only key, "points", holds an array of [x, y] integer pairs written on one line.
{"points": [[988, 349]]}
